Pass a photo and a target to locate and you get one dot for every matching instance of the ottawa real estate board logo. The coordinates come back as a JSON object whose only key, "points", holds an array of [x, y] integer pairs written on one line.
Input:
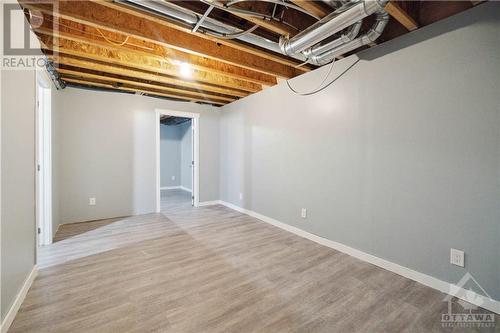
{"points": [[20, 47], [464, 306]]}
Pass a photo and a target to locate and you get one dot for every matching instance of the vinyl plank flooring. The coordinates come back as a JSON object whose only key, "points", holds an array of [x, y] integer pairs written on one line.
{"points": [[212, 269]]}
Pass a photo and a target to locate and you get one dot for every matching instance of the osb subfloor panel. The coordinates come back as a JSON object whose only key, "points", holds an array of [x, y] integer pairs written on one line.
{"points": [[213, 269]]}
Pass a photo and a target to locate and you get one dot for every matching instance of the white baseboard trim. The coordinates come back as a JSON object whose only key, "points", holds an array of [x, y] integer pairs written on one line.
{"points": [[176, 188], [58, 226], [427, 280], [9, 317], [186, 189], [209, 203], [170, 187]]}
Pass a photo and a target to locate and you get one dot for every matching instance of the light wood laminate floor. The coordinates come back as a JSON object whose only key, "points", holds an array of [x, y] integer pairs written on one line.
{"points": [[212, 269]]}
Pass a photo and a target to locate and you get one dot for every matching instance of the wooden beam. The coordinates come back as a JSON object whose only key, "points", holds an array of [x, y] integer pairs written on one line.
{"points": [[146, 84], [121, 19], [268, 55], [142, 74], [177, 93], [401, 16], [312, 7], [120, 57], [86, 34], [273, 26], [226, 18], [261, 7], [83, 81]]}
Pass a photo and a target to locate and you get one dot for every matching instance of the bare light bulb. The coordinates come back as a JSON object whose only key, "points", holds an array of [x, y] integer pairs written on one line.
{"points": [[185, 70]]}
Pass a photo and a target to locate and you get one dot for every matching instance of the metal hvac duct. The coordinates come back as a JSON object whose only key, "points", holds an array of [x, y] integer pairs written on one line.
{"points": [[191, 18], [335, 3], [370, 36], [329, 25], [305, 46], [345, 38]]}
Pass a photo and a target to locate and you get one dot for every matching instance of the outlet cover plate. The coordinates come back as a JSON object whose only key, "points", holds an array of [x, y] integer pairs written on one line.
{"points": [[457, 257]]}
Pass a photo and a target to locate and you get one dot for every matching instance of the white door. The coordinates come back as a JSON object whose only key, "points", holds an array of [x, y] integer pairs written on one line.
{"points": [[39, 174], [192, 161], [43, 166]]}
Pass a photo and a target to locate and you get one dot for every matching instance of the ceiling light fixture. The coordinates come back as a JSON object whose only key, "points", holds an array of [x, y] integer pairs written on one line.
{"points": [[185, 69]]}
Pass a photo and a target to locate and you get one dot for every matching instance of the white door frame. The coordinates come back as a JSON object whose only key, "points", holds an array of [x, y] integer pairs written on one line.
{"points": [[43, 159], [195, 117]]}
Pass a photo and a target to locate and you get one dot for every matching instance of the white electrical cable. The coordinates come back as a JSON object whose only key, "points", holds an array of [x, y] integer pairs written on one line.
{"points": [[320, 86]]}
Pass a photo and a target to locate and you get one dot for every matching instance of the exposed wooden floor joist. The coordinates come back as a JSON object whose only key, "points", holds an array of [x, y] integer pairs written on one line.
{"points": [[313, 7], [84, 63], [183, 94], [125, 58], [78, 32], [274, 26], [401, 16], [128, 37], [135, 89], [120, 19]]}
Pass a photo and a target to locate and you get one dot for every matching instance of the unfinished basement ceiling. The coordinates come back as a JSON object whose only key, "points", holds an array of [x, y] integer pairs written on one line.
{"points": [[173, 120], [209, 51]]}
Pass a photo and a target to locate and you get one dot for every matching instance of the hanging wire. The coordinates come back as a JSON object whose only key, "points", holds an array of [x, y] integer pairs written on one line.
{"points": [[112, 42], [320, 86], [98, 35], [276, 2], [233, 35], [301, 65]]}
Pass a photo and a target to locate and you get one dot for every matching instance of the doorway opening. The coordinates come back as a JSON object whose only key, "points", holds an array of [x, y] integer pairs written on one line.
{"points": [[177, 159], [43, 160]]}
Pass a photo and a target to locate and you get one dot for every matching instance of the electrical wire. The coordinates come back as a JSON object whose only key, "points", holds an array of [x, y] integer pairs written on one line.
{"points": [[98, 35], [233, 35], [320, 86], [112, 42], [301, 65]]}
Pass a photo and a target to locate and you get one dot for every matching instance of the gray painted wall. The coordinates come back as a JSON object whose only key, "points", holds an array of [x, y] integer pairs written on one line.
{"points": [[170, 152], [186, 155], [106, 146], [18, 182], [399, 158]]}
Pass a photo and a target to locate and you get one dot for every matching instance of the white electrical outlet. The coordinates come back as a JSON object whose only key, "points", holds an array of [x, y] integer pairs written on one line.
{"points": [[303, 213], [92, 201], [173, 177], [241, 196], [457, 257]]}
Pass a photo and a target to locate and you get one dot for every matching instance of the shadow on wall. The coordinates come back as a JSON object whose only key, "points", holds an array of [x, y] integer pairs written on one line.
{"points": [[425, 33], [98, 159]]}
